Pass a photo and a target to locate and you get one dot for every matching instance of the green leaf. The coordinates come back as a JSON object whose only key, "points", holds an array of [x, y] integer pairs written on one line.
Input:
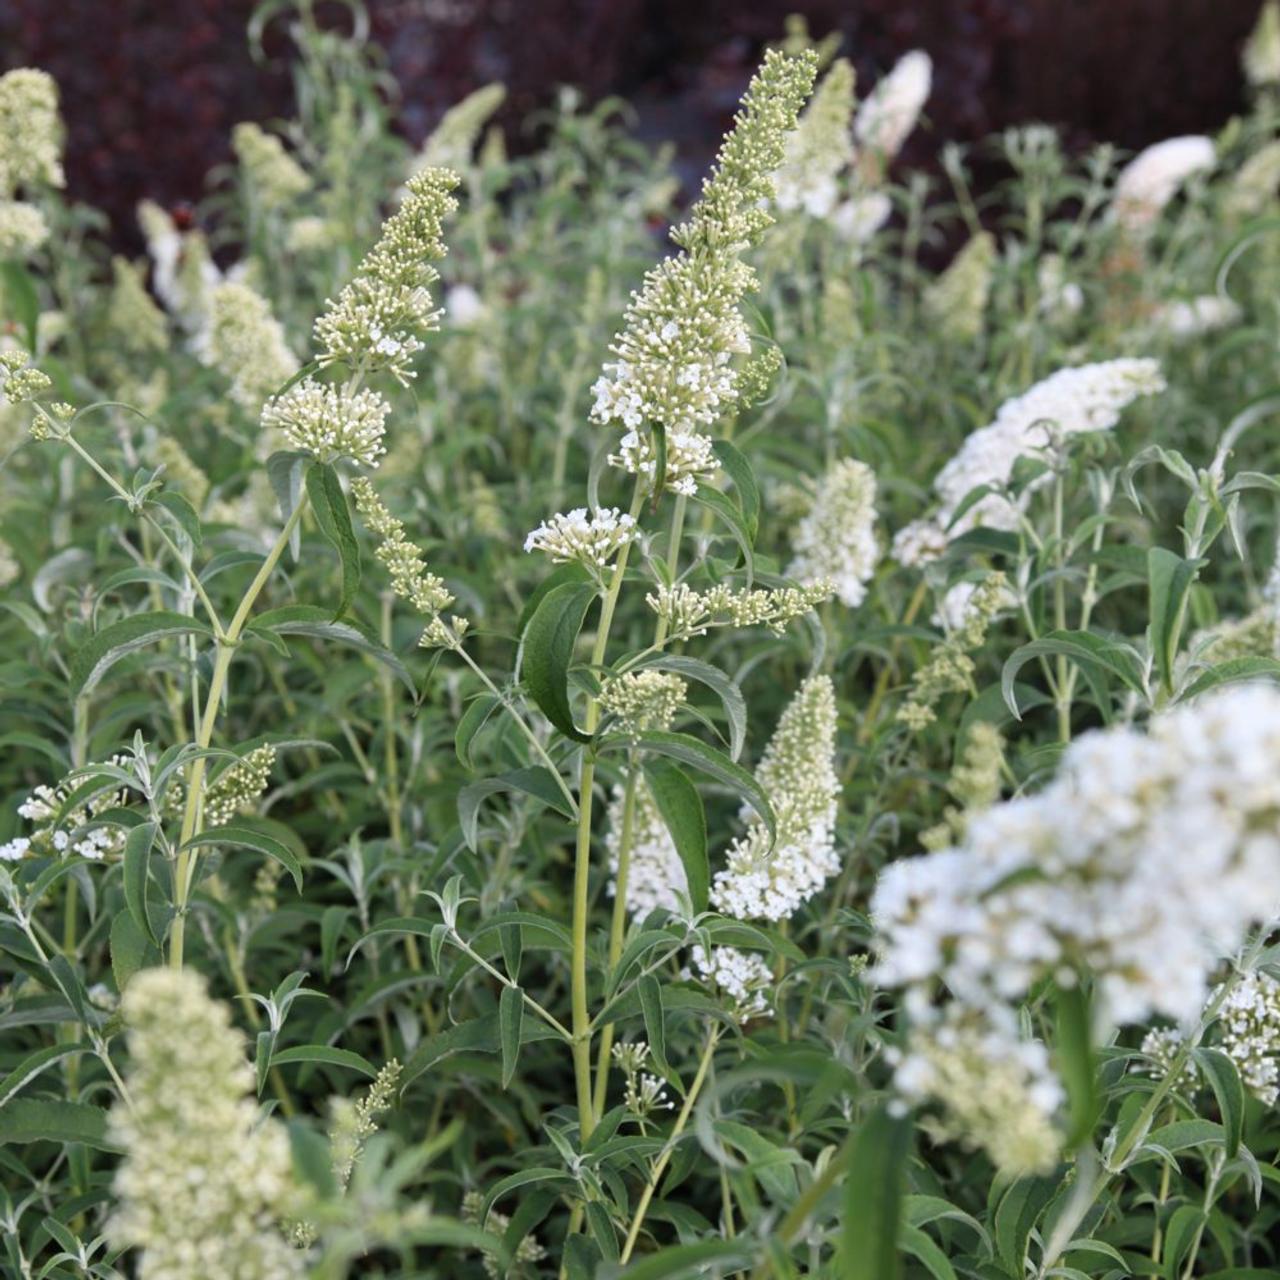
{"points": [[105, 648], [327, 1054], [137, 857], [920, 1246], [1224, 1079], [32, 1065], [312, 1159], [730, 695], [240, 837], [1169, 578], [35, 1120], [285, 470], [131, 950], [602, 1230], [684, 1261], [735, 465], [332, 515], [188, 519], [681, 808], [873, 1198], [1091, 653], [308, 620], [510, 1024], [1076, 1061], [21, 301], [474, 718], [1016, 1214], [715, 764], [1185, 1221], [534, 781], [1231, 672], [654, 1024], [558, 576], [731, 516], [548, 645]]}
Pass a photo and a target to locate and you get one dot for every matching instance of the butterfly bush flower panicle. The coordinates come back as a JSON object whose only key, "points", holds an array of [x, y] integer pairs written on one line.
{"points": [[1253, 186], [592, 539], [30, 131], [376, 320], [820, 147], [247, 344], [528, 1253], [836, 541], [205, 1183], [655, 877], [20, 380], [956, 302], [1121, 845], [1261, 55], [684, 326], [798, 774], [273, 176], [23, 229], [643, 701], [689, 613], [330, 422], [743, 976], [406, 565], [1153, 177], [891, 111], [353, 1123], [452, 142], [137, 324], [1068, 403], [974, 784]]}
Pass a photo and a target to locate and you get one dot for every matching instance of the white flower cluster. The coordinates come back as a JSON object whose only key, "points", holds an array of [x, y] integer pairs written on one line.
{"points": [[690, 457], [1105, 868], [68, 831], [273, 176], [452, 141], [956, 611], [246, 344], [743, 976], [375, 321], [1070, 402], [1261, 55], [183, 273], [797, 772], [1152, 178], [689, 613], [861, 216], [836, 541], [1249, 1033], [683, 327], [891, 111], [643, 701], [655, 874], [1194, 317], [1001, 1091], [592, 538], [820, 146], [23, 229], [30, 131], [205, 1183], [330, 421]]}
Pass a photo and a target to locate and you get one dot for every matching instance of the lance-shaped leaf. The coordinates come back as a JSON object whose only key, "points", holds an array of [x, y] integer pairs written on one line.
{"points": [[549, 641], [107, 647]]}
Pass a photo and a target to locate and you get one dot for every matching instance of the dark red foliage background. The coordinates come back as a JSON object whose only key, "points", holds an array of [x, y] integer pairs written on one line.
{"points": [[152, 88]]}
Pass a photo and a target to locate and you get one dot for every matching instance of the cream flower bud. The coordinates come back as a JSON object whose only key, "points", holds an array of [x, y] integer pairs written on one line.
{"points": [[330, 421]]}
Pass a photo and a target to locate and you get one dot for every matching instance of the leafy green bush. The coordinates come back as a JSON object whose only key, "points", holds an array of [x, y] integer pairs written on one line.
{"points": [[527, 756]]}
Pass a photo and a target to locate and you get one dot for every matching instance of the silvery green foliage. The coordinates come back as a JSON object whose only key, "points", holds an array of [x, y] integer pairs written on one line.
{"points": [[702, 890]]}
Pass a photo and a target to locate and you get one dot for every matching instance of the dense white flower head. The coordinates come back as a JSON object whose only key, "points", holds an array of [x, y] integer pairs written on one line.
{"points": [[273, 176], [1070, 402], [330, 421], [1249, 1033], [205, 1183], [591, 538], [956, 610], [30, 131], [23, 229], [820, 147], [1261, 55], [689, 613], [1152, 178], [655, 875], [683, 327], [798, 774], [836, 541], [890, 112], [861, 216], [247, 344], [1194, 317], [690, 458], [743, 976], [643, 701], [1106, 867]]}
